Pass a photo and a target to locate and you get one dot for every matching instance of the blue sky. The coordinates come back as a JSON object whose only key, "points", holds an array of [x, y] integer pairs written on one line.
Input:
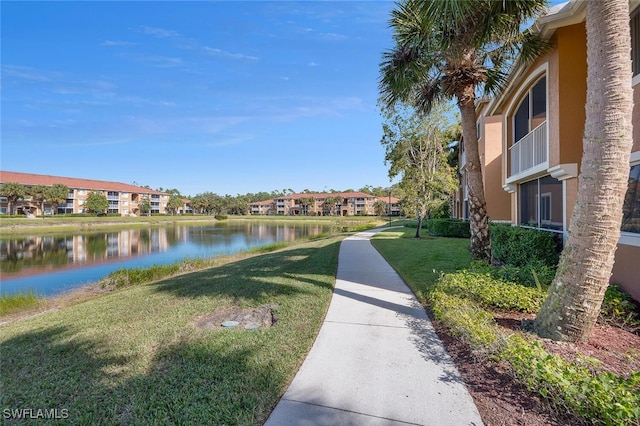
{"points": [[229, 97]]}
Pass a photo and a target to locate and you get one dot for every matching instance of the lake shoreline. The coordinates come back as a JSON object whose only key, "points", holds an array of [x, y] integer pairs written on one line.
{"points": [[16, 226]]}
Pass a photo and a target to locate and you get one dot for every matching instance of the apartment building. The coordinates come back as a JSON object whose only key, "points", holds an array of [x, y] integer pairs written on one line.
{"points": [[124, 199], [532, 133], [325, 204]]}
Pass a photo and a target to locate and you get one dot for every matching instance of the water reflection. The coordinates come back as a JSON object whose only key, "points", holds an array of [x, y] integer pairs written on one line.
{"points": [[52, 263]]}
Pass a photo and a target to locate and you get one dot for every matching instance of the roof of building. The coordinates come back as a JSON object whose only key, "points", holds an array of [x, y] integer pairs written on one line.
{"points": [[73, 183]]}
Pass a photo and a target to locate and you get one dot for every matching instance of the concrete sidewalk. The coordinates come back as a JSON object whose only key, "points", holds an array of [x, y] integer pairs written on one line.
{"points": [[377, 359]]}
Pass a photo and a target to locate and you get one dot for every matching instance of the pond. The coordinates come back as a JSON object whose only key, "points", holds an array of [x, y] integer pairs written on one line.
{"points": [[52, 264]]}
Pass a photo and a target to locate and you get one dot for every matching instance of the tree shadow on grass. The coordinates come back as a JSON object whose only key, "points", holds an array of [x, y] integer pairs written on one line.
{"points": [[259, 278], [228, 377], [203, 382]]}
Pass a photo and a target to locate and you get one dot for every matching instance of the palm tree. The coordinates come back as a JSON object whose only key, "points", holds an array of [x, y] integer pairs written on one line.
{"points": [[575, 296], [13, 191], [39, 194], [58, 194], [448, 50]]}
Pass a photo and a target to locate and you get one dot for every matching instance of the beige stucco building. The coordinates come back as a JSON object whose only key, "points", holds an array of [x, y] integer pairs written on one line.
{"points": [[124, 199], [532, 134]]}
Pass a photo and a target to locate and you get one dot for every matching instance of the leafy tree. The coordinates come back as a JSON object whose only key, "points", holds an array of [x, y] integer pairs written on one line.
{"points": [[175, 203], [40, 193], [13, 192], [57, 194], [238, 205], [381, 208], [576, 294], [144, 205], [416, 149], [448, 50], [96, 202]]}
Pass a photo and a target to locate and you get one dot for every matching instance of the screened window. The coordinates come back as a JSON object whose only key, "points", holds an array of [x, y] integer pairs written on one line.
{"points": [[532, 110], [521, 120], [631, 207], [635, 41], [541, 204]]}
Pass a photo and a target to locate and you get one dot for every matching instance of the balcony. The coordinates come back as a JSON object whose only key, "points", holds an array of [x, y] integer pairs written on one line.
{"points": [[529, 152]]}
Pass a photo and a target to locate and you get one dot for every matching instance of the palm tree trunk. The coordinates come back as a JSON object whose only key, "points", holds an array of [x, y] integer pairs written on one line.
{"points": [[478, 217], [573, 303]]}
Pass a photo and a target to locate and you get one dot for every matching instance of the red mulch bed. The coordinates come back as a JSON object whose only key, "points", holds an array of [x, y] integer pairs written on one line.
{"points": [[503, 402]]}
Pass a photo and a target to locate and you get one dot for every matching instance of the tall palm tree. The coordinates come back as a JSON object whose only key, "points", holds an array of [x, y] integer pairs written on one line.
{"points": [[573, 303], [39, 194], [13, 191], [450, 50]]}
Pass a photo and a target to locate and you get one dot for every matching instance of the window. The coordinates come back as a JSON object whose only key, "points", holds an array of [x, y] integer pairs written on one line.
{"points": [[635, 41], [541, 204], [532, 110], [631, 206]]}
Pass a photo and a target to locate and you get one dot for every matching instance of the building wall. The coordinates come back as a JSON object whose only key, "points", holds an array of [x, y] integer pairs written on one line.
{"points": [[572, 93], [491, 159]]}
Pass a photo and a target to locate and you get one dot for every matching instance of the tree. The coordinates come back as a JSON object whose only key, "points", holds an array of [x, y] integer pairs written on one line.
{"points": [[305, 202], [57, 194], [40, 193], [447, 50], [381, 208], [13, 192], [96, 202], [332, 202], [416, 149], [144, 205], [175, 203], [575, 296]]}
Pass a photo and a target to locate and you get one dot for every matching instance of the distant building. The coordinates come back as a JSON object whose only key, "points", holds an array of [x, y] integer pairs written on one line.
{"points": [[325, 204], [124, 199]]}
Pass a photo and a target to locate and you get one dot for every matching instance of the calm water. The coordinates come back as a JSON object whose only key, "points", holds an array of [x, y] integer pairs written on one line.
{"points": [[55, 263]]}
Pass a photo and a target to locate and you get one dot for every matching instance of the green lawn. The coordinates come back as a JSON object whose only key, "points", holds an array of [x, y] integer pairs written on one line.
{"points": [[135, 356], [420, 262]]}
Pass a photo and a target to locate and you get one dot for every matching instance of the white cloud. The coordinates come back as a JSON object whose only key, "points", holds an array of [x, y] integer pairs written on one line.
{"points": [[333, 36], [116, 43], [157, 61], [159, 32], [26, 73], [312, 64], [224, 53]]}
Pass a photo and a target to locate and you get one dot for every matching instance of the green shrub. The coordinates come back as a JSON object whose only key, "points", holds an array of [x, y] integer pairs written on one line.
{"points": [[618, 308], [447, 228], [525, 275], [571, 387], [220, 217], [602, 398], [516, 246], [491, 292], [467, 322]]}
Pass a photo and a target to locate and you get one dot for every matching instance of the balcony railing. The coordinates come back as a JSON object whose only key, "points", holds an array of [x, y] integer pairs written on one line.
{"points": [[529, 151]]}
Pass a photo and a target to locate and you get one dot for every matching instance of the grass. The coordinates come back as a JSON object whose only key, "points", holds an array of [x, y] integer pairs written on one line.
{"points": [[421, 262], [19, 302], [134, 356]]}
